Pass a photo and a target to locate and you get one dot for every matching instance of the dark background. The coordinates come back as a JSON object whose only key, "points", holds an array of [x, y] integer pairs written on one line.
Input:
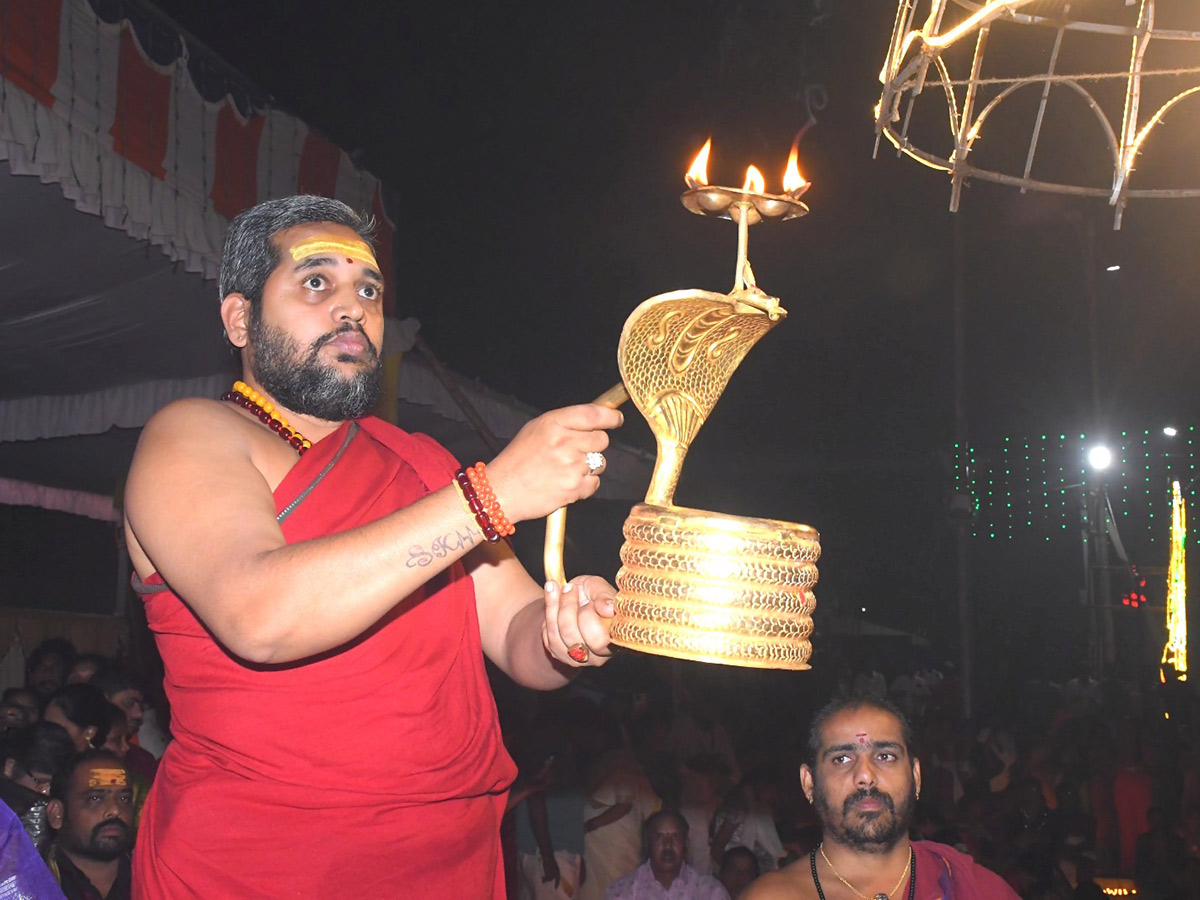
{"points": [[533, 155]]}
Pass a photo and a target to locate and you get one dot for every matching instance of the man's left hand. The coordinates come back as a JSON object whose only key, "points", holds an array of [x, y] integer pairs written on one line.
{"points": [[575, 629]]}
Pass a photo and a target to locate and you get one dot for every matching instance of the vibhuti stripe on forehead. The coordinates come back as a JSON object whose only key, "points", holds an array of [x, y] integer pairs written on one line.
{"points": [[331, 246], [107, 778]]}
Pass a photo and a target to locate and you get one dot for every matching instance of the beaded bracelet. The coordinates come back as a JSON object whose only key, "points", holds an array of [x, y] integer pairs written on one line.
{"points": [[475, 506], [479, 480]]}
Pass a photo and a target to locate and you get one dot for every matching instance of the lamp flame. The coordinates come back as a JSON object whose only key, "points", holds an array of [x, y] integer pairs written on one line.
{"points": [[755, 183], [698, 173], [793, 181]]}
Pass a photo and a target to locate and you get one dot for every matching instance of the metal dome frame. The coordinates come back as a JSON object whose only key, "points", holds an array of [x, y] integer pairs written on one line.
{"points": [[916, 51]]}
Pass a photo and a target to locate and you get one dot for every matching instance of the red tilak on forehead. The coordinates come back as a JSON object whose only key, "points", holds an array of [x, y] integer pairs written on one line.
{"points": [[862, 738]]}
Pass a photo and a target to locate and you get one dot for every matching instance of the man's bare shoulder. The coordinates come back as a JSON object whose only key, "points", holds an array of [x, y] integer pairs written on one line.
{"points": [[194, 427], [197, 479], [194, 443], [190, 413], [793, 882]]}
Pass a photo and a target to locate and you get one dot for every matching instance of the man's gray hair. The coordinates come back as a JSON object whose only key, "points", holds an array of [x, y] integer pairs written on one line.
{"points": [[250, 254]]}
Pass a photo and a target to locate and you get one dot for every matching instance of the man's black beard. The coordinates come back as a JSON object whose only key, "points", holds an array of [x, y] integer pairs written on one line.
{"points": [[878, 834], [301, 383], [107, 848]]}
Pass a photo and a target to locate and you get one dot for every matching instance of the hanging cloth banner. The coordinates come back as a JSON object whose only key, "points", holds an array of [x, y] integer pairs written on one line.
{"points": [[136, 126]]}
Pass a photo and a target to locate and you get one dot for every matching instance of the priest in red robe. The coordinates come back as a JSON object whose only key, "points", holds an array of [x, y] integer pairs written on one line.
{"points": [[303, 564], [863, 783]]}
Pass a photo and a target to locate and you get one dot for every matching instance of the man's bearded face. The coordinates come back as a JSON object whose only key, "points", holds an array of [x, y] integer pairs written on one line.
{"points": [[98, 812], [875, 829], [300, 381], [864, 784], [107, 841]]}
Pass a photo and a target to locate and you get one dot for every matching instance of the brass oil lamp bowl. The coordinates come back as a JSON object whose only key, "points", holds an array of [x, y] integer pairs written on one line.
{"points": [[693, 584]]}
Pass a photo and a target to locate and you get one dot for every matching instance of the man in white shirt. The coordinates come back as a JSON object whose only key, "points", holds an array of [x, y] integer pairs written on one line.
{"points": [[665, 874]]}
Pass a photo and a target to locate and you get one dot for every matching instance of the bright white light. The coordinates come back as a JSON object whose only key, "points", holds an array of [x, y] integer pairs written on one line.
{"points": [[1099, 457], [864, 609], [1113, 269], [1170, 431]]}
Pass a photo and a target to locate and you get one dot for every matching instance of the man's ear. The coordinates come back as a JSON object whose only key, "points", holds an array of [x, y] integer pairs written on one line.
{"points": [[806, 781], [10, 766], [89, 733], [54, 814], [917, 775], [235, 316]]}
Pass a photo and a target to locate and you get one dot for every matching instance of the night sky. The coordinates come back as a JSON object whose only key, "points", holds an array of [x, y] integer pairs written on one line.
{"points": [[534, 153]]}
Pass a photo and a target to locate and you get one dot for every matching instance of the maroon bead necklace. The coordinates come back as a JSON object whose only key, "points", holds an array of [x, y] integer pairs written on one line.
{"points": [[248, 398]]}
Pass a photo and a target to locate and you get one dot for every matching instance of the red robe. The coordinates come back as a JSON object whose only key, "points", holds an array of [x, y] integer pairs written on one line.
{"points": [[375, 770], [944, 873]]}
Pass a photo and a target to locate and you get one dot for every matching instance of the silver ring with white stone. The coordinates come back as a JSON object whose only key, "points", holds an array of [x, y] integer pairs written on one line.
{"points": [[595, 462]]}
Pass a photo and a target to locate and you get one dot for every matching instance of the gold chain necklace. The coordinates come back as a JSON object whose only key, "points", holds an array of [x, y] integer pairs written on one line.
{"points": [[859, 893]]}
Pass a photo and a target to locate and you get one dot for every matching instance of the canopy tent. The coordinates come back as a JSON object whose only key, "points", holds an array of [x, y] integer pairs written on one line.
{"points": [[128, 149]]}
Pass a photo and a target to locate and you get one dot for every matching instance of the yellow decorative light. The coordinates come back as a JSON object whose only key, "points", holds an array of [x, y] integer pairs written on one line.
{"points": [[1175, 651]]}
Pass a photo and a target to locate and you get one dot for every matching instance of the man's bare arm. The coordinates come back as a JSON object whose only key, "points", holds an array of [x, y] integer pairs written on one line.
{"points": [[524, 629], [202, 512], [613, 814]]}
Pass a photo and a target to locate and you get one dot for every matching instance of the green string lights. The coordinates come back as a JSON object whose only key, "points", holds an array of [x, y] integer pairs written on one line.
{"points": [[1023, 486]]}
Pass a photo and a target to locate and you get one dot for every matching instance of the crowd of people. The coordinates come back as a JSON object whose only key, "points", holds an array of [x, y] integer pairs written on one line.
{"points": [[668, 779], [76, 773], [1050, 785]]}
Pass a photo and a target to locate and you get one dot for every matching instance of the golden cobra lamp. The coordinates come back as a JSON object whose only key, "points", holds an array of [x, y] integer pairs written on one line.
{"points": [[694, 584]]}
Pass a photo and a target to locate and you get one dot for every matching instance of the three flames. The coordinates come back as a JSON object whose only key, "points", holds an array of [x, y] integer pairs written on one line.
{"points": [[793, 182]]}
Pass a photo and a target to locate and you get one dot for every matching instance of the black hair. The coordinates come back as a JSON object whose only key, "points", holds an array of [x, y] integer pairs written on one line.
{"points": [[250, 254], [112, 679], [85, 706], [51, 647], [848, 702], [117, 720], [734, 853], [62, 778], [10, 692], [41, 747]]}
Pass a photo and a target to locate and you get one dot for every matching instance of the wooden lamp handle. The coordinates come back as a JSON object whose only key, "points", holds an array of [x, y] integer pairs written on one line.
{"points": [[556, 522]]}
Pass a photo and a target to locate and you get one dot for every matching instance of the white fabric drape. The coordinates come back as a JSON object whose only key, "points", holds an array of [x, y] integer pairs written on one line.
{"points": [[79, 503]]}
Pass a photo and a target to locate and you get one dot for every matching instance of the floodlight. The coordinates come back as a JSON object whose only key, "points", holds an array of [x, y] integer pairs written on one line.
{"points": [[1099, 457]]}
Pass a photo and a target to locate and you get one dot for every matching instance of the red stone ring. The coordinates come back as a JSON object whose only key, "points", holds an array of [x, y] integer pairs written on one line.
{"points": [[579, 653]]}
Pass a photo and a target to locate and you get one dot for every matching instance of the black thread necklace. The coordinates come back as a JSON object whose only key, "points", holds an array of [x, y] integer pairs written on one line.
{"points": [[912, 877]]}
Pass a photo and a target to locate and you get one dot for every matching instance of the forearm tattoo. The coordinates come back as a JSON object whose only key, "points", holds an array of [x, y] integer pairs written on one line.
{"points": [[441, 547]]}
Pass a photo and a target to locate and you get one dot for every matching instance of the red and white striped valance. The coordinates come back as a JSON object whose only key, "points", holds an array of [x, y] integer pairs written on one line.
{"points": [[84, 104]]}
